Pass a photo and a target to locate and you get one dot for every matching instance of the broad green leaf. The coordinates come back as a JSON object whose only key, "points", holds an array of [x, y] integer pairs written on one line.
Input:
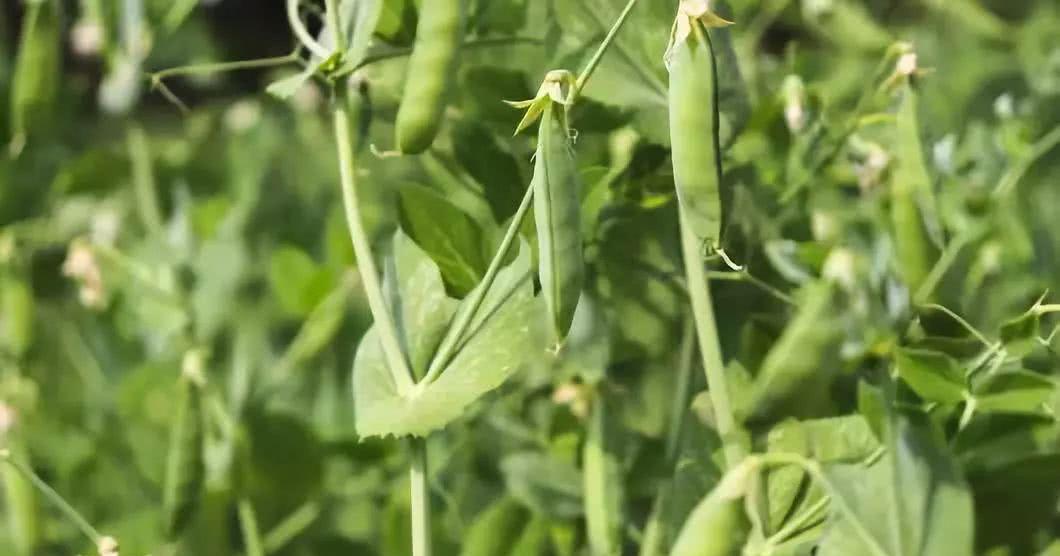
{"points": [[502, 337], [934, 376], [451, 237], [911, 502], [297, 281], [543, 483], [1016, 392]]}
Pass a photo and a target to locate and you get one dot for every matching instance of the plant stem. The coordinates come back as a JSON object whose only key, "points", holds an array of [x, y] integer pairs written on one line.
{"points": [[385, 327], [1041, 148], [586, 73], [463, 319], [709, 347], [143, 180], [402, 52], [421, 497], [248, 525], [55, 498], [221, 67]]}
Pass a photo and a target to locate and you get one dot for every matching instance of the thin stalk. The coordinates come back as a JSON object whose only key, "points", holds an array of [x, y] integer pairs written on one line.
{"points": [[386, 329], [248, 526], [143, 180], [421, 497], [292, 526], [681, 390], [221, 67], [55, 498], [709, 346], [586, 73], [455, 333]]}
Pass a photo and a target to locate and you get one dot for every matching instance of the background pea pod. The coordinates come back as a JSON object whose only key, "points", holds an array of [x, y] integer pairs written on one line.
{"points": [[557, 212], [694, 127], [20, 500], [430, 73], [185, 466], [36, 73], [718, 526], [913, 206]]}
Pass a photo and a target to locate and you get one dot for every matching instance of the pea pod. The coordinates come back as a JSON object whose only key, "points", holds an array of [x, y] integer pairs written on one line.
{"points": [[913, 212], [557, 202], [430, 72], [185, 467], [36, 73], [16, 315], [694, 119], [718, 525]]}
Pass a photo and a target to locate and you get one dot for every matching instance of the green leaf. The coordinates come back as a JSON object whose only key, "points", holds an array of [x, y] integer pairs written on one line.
{"points": [[286, 87], [911, 502], [359, 19], [1016, 392], [296, 280], [545, 484], [934, 376], [452, 238], [496, 529], [502, 337], [319, 327]]}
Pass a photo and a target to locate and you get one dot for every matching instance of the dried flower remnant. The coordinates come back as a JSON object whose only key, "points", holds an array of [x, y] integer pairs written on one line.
{"points": [[108, 546], [82, 266]]}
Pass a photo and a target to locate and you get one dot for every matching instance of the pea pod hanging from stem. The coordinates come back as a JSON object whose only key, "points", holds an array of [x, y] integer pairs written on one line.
{"points": [[694, 119], [430, 72], [36, 73], [557, 201], [185, 467]]}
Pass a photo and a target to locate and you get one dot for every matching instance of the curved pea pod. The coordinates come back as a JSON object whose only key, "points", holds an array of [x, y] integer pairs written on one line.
{"points": [[430, 73], [185, 465], [496, 529], [557, 202], [37, 66], [694, 119], [718, 525]]}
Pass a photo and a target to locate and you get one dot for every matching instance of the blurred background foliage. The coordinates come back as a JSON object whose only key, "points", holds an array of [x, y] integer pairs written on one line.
{"points": [[134, 231]]}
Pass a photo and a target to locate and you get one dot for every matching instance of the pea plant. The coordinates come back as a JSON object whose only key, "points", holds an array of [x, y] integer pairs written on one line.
{"points": [[513, 277]]}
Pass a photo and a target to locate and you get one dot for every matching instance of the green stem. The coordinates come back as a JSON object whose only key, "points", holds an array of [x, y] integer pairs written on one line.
{"points": [[385, 329], [709, 346], [248, 525], [55, 498], [421, 497], [402, 52], [455, 333], [143, 179], [221, 67], [599, 54], [293, 525], [1041, 148]]}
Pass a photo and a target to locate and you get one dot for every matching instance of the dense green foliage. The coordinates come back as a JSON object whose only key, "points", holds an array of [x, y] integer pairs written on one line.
{"points": [[857, 256]]}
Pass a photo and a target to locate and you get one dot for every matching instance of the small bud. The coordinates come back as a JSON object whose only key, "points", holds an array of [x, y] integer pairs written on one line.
{"points": [[86, 38], [243, 116], [81, 265], [907, 64], [794, 96], [192, 366], [108, 546], [8, 418]]}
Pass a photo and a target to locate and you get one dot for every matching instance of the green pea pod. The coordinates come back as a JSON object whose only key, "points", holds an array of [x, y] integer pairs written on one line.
{"points": [[557, 203], [37, 67], [20, 500], [718, 525], [16, 315], [695, 122], [913, 212], [430, 73], [185, 466]]}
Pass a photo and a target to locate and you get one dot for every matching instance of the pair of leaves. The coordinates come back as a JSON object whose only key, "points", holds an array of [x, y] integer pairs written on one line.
{"points": [[501, 338], [937, 377]]}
